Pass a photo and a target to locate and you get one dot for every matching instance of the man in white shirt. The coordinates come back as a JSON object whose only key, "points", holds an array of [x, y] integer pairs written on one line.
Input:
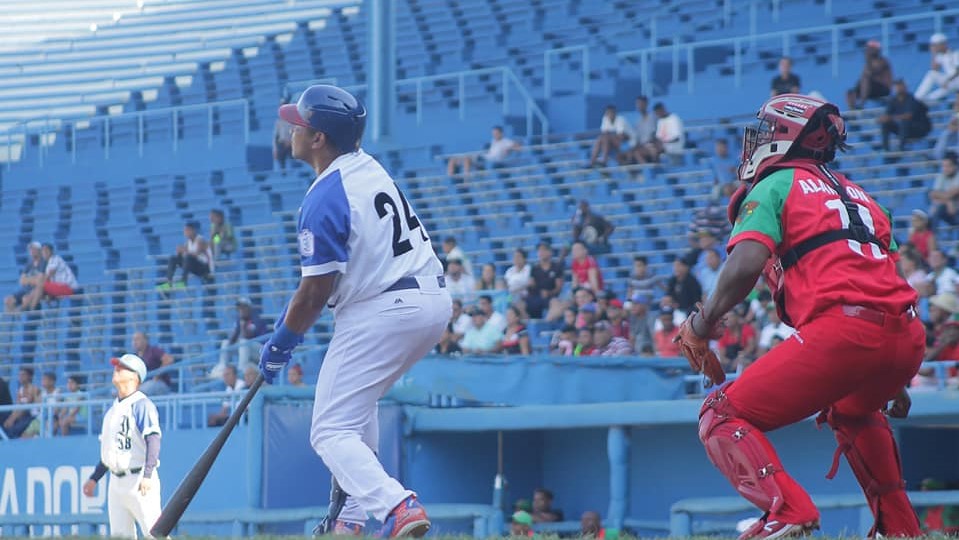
{"points": [[458, 283], [517, 277], [56, 281], [943, 75], [613, 132], [499, 149], [193, 257], [774, 328], [232, 384], [670, 134]]}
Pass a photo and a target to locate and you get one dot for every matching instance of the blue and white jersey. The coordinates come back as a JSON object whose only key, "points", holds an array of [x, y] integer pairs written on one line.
{"points": [[355, 221], [125, 428]]}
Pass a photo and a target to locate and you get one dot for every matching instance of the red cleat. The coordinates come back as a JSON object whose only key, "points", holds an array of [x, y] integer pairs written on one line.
{"points": [[407, 519], [772, 528], [345, 528]]}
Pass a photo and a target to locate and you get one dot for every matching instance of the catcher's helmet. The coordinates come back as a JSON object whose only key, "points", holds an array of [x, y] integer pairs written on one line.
{"points": [[332, 111], [791, 126]]}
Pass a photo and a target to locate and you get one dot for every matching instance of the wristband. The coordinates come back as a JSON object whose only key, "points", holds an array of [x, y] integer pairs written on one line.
{"points": [[284, 338]]}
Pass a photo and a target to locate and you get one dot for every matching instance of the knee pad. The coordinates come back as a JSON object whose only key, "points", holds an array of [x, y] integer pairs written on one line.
{"points": [[870, 449], [740, 451]]}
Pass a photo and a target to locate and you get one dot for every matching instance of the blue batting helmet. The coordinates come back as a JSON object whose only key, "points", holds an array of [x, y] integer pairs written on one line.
{"points": [[332, 111]]}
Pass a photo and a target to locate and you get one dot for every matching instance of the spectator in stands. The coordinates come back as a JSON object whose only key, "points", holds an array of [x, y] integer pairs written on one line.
{"points": [[56, 281], [294, 376], [942, 337], [663, 338], [584, 342], [914, 274], [481, 337], [543, 511], [945, 191], [670, 136], [460, 321], [72, 417], [221, 235], [194, 257], [28, 278], [642, 135], [592, 229], [494, 318], [943, 75], [786, 82], [451, 250], [948, 140], [875, 81], [27, 393], [586, 316], [232, 384], [739, 341], [590, 525], [774, 327], [942, 275], [939, 520], [546, 281], [683, 286], [712, 218], [921, 236], [564, 341], [905, 116], [584, 269], [521, 524], [249, 375], [154, 357], [487, 279], [499, 148], [616, 316], [519, 276], [458, 283], [49, 396], [5, 399], [448, 345], [516, 337], [242, 340], [641, 281], [708, 273], [282, 143], [606, 344], [614, 130], [641, 320], [725, 168]]}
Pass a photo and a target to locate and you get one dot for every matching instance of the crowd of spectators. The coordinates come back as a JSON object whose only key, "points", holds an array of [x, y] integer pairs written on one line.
{"points": [[66, 415]]}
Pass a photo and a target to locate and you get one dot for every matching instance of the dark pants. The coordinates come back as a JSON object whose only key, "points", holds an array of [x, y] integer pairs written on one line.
{"points": [[942, 215], [190, 265], [19, 426], [284, 151], [536, 305], [905, 129]]}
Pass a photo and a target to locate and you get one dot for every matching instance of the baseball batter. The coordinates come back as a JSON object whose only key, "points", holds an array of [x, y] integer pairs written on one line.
{"points": [[366, 255], [827, 252], [130, 451]]}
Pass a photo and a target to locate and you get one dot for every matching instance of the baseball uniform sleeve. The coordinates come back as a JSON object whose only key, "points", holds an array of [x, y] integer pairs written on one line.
{"points": [[324, 229], [146, 417], [893, 245], [760, 214]]}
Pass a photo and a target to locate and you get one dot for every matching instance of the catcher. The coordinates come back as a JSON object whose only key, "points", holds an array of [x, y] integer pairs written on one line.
{"points": [[826, 250]]}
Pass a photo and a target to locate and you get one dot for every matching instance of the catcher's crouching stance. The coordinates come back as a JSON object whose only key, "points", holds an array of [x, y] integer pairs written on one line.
{"points": [[826, 250]]}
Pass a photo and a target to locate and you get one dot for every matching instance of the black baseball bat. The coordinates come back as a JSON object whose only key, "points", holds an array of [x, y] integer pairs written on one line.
{"points": [[194, 479]]}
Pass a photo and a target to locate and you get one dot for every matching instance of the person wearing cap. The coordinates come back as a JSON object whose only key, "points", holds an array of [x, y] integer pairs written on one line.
{"points": [[875, 81], [943, 327], [905, 116], [606, 344], [616, 315], [521, 524], [920, 235], [242, 341], [130, 452], [943, 75], [34, 268]]}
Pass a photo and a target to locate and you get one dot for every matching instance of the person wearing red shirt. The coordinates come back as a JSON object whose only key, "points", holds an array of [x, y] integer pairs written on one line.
{"points": [[920, 236], [663, 338], [586, 272], [738, 343], [827, 252]]}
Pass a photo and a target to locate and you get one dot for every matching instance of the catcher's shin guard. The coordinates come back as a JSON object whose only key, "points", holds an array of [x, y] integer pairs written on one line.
{"points": [[741, 452], [871, 452], [337, 501]]}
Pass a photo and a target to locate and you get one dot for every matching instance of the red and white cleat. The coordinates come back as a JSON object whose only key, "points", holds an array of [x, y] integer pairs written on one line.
{"points": [[407, 519], [345, 528], [772, 528]]}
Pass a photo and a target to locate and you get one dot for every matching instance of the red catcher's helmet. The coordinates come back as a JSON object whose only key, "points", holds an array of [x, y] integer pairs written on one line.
{"points": [[791, 126]]}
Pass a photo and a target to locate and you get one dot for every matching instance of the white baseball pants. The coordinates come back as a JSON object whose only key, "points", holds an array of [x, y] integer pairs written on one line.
{"points": [[374, 343], [126, 507]]}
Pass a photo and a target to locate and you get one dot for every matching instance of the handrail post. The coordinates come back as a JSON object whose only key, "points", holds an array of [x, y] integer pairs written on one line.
{"points": [[884, 33], [246, 122], [106, 138], [652, 31], [835, 52], [737, 63], [690, 68], [140, 133], [505, 74], [675, 49], [585, 69], [9, 150], [419, 101], [209, 126], [828, 9], [785, 44], [462, 90], [644, 73], [775, 10], [73, 133], [529, 119], [727, 12], [176, 130], [547, 82], [936, 23], [752, 22]]}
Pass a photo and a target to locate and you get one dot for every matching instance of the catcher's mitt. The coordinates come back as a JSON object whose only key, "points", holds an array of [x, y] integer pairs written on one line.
{"points": [[696, 350]]}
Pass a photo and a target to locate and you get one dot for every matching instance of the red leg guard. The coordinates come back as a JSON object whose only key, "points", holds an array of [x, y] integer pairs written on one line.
{"points": [[743, 454], [871, 451]]}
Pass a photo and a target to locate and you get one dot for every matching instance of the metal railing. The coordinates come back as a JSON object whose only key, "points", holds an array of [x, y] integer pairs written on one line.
{"points": [[548, 67], [685, 52], [47, 129]]}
